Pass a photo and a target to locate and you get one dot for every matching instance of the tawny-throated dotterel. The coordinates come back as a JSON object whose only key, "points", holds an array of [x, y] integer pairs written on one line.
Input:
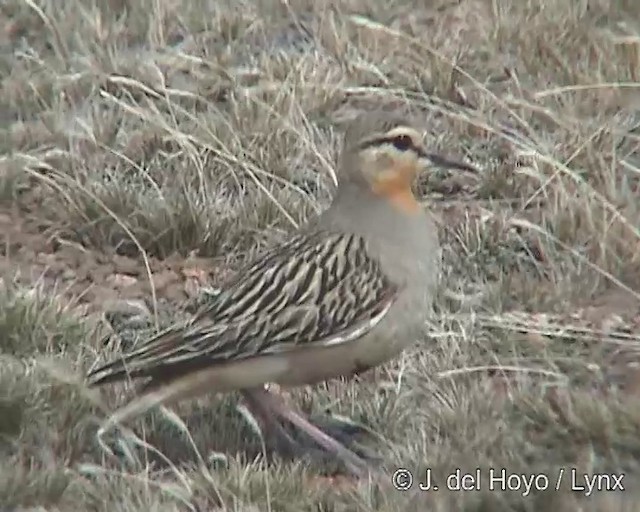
{"points": [[346, 293]]}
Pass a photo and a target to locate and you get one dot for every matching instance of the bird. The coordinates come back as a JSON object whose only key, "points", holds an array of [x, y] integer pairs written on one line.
{"points": [[347, 292]]}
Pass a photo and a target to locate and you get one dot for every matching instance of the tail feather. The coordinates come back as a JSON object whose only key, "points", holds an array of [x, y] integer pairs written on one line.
{"points": [[112, 372], [138, 363]]}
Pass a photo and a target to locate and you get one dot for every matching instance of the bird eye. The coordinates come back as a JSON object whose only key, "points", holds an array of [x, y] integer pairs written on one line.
{"points": [[402, 142]]}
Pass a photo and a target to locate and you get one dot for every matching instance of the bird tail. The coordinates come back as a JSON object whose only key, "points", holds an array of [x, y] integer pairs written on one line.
{"points": [[138, 363]]}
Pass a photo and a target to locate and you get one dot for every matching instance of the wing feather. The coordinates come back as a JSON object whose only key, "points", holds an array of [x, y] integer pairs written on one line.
{"points": [[318, 289]]}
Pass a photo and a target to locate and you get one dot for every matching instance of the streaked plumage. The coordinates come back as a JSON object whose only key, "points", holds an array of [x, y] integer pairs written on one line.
{"points": [[317, 290], [346, 293]]}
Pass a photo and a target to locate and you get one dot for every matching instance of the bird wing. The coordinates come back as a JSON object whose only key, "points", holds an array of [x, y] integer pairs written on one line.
{"points": [[318, 289]]}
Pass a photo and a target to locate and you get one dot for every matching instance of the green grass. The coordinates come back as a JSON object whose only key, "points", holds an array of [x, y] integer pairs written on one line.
{"points": [[209, 129]]}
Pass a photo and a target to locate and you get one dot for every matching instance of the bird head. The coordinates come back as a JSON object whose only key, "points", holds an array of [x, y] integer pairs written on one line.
{"points": [[384, 152]]}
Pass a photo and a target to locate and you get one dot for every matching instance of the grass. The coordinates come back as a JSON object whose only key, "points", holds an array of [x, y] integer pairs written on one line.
{"points": [[160, 132]]}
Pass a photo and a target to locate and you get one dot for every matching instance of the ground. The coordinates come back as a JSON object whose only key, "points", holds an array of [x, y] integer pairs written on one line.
{"points": [[148, 149]]}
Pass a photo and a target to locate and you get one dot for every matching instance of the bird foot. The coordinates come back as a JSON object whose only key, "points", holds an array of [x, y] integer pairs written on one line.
{"points": [[300, 445], [352, 435], [297, 437], [342, 429]]}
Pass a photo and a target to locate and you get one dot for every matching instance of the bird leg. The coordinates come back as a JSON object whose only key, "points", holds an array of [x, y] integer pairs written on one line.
{"points": [[344, 431], [273, 429], [266, 404]]}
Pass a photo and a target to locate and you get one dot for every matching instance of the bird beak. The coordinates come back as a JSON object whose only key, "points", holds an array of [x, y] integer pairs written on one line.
{"points": [[433, 160]]}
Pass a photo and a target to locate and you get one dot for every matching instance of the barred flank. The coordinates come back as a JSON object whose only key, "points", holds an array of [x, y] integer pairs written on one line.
{"points": [[319, 288]]}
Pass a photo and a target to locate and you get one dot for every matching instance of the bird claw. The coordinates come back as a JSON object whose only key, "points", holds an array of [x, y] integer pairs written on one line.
{"points": [[117, 447], [103, 444], [344, 430], [290, 442], [295, 436]]}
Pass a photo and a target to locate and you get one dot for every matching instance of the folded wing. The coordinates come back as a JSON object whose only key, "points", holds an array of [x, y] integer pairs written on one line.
{"points": [[318, 289]]}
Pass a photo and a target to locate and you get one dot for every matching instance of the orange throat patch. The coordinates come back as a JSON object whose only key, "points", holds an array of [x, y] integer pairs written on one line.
{"points": [[395, 187]]}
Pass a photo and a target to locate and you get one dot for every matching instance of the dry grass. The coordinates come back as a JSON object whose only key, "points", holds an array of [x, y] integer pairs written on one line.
{"points": [[160, 130]]}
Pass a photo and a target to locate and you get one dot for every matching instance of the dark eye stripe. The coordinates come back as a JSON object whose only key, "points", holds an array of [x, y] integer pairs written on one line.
{"points": [[400, 142]]}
